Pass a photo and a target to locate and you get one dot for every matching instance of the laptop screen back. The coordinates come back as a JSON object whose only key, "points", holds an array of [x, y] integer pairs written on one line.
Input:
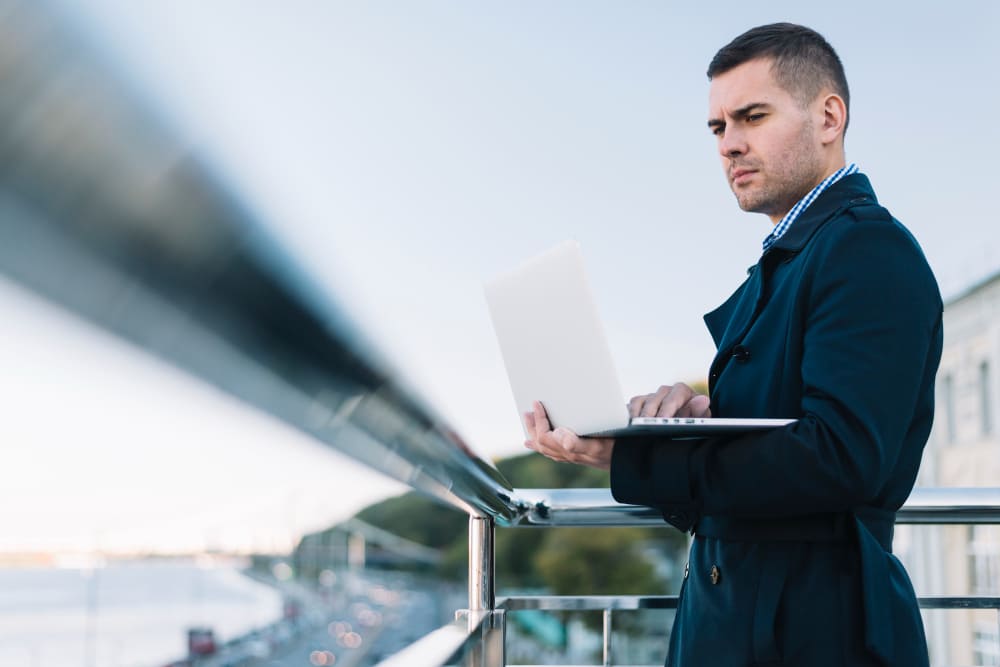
{"points": [[553, 342]]}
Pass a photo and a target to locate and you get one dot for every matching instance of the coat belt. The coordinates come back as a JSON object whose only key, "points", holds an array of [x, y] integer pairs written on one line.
{"points": [[869, 528]]}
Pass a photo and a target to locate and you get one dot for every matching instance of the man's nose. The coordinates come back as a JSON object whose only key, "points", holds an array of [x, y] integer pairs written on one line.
{"points": [[733, 143]]}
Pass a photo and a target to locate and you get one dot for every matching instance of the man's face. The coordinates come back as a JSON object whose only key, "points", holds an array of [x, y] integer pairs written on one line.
{"points": [[769, 144]]}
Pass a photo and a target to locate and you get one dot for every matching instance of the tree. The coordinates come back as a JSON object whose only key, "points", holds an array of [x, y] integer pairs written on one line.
{"points": [[597, 561]]}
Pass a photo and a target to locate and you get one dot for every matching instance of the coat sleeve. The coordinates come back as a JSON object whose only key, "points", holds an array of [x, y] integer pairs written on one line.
{"points": [[871, 327]]}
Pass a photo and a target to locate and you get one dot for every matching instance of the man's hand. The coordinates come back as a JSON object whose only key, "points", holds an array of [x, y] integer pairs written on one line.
{"points": [[677, 400], [563, 445]]}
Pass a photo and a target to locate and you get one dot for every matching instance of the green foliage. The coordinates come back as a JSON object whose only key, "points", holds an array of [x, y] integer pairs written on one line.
{"points": [[514, 550], [455, 564], [603, 561], [533, 471], [417, 518]]}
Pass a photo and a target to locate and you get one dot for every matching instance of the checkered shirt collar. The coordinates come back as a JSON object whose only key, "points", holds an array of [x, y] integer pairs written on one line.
{"points": [[790, 217]]}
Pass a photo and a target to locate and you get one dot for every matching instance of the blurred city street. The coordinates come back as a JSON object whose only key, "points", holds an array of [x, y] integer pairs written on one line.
{"points": [[356, 622]]}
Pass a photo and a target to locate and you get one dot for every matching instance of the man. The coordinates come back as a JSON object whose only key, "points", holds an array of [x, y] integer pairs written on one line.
{"points": [[837, 325]]}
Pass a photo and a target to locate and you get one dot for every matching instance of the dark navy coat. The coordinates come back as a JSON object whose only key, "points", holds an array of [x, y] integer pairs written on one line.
{"points": [[839, 326]]}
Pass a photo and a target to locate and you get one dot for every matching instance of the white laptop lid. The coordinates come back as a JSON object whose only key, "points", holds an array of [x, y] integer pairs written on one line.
{"points": [[553, 342], [555, 351]]}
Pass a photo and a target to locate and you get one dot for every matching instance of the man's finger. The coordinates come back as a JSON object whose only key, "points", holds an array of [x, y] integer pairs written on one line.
{"points": [[635, 405], [676, 398], [696, 407], [652, 407], [699, 406], [541, 418], [535, 426]]}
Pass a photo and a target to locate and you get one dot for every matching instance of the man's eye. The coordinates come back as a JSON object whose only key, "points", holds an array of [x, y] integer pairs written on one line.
{"points": [[754, 117], [717, 130]]}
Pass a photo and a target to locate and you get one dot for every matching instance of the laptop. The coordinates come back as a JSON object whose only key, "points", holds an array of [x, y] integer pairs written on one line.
{"points": [[534, 308]]}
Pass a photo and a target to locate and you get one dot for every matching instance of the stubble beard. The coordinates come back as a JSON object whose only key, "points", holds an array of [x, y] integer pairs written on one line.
{"points": [[785, 181]]}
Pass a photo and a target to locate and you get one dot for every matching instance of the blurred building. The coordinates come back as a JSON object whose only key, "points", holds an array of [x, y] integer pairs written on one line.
{"points": [[355, 545], [963, 451]]}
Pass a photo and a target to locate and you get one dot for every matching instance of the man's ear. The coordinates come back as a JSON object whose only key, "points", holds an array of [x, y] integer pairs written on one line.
{"points": [[834, 117]]}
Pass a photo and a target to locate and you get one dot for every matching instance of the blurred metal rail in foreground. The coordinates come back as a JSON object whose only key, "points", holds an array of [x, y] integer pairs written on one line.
{"points": [[107, 213]]}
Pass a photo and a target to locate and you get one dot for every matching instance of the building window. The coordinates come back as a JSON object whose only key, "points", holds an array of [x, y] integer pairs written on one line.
{"points": [[985, 398], [948, 389], [984, 644], [984, 560]]}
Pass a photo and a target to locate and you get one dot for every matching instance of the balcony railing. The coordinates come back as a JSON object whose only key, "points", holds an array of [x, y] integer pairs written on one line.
{"points": [[479, 639], [477, 636], [134, 232]]}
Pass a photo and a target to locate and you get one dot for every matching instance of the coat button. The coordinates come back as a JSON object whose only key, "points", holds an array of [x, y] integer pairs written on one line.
{"points": [[715, 574], [741, 353], [686, 567]]}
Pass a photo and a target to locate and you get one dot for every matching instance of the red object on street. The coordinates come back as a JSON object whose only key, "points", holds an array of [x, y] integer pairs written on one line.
{"points": [[292, 609], [201, 641]]}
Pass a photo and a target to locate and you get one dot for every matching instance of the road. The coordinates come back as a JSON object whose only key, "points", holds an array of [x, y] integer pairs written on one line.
{"points": [[356, 624]]}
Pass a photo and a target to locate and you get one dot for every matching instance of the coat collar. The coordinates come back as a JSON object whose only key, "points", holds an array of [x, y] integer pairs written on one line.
{"points": [[730, 321], [850, 190]]}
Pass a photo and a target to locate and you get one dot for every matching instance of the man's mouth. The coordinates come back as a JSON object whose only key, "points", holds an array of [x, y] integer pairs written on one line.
{"points": [[741, 176]]}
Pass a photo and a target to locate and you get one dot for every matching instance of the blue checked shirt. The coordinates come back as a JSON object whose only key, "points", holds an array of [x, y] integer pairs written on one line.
{"points": [[786, 222]]}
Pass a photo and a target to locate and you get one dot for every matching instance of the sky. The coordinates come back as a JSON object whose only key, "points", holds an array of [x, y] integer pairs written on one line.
{"points": [[407, 152]]}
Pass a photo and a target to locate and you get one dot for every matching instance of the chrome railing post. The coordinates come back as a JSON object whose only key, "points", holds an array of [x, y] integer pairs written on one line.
{"points": [[607, 638], [487, 637], [482, 597], [482, 594]]}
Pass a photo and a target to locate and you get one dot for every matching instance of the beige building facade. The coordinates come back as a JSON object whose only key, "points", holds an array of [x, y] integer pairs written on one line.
{"points": [[963, 451]]}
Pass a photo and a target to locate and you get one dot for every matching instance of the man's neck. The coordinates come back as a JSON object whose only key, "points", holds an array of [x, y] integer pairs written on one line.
{"points": [[838, 164]]}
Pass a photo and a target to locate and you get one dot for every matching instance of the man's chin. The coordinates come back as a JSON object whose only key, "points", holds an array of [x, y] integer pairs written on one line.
{"points": [[748, 204], [752, 204]]}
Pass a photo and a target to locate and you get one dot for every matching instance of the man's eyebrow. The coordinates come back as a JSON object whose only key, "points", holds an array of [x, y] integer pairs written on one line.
{"points": [[744, 110], [739, 113]]}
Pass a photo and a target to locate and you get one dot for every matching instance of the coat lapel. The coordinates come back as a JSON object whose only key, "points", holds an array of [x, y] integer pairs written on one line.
{"points": [[726, 321]]}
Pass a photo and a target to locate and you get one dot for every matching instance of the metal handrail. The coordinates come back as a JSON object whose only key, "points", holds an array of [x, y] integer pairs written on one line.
{"points": [[108, 212], [636, 602], [596, 507]]}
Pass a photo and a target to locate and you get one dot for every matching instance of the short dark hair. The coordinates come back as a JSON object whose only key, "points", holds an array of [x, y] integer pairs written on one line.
{"points": [[804, 62]]}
